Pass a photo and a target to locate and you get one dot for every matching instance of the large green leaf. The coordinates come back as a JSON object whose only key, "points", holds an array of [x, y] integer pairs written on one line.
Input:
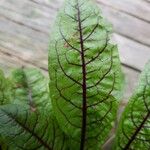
{"points": [[25, 129], [134, 127], [28, 121], [85, 74]]}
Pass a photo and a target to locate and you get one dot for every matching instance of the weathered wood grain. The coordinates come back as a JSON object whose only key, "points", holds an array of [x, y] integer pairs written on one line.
{"points": [[128, 26], [49, 3], [123, 23], [28, 13], [132, 53], [9, 62], [137, 8]]}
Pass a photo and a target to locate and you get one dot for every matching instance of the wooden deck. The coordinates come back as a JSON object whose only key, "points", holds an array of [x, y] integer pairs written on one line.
{"points": [[25, 26]]}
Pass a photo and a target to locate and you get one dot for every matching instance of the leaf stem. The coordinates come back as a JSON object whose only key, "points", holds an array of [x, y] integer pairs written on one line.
{"points": [[84, 86]]}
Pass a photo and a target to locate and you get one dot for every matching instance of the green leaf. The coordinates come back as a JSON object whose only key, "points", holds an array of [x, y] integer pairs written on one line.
{"points": [[134, 127], [85, 74], [25, 129], [28, 122], [5, 89]]}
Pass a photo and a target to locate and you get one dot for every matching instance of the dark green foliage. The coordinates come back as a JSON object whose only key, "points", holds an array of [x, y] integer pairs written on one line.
{"points": [[134, 128]]}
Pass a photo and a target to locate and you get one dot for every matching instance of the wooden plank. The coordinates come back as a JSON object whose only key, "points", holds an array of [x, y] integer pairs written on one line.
{"points": [[23, 41], [137, 8], [8, 63], [49, 3], [30, 35], [132, 53], [128, 26], [28, 14], [4, 51]]}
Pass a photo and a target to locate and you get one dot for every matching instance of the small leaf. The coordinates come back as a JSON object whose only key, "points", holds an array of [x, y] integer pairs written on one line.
{"points": [[85, 74], [134, 127]]}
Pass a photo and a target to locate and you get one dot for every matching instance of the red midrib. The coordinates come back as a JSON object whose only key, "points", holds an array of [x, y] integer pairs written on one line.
{"points": [[84, 86]]}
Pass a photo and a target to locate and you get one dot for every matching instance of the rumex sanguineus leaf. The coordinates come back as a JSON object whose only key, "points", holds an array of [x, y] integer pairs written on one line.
{"points": [[134, 127], [27, 122], [85, 74]]}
